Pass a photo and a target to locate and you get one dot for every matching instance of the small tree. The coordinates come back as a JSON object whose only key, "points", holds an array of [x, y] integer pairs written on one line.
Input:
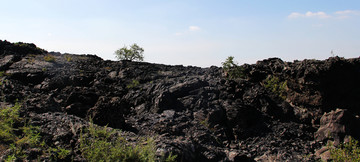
{"points": [[134, 53], [232, 70]]}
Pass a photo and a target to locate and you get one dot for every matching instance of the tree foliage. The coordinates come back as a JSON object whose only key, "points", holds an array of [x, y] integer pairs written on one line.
{"points": [[232, 70], [134, 53]]}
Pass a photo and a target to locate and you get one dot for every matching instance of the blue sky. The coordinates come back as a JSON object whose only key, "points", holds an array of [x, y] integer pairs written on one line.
{"points": [[198, 32]]}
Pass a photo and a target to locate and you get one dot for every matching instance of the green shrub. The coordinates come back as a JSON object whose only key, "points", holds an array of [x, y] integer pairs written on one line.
{"points": [[232, 70], [8, 116], [133, 84], [49, 58], [58, 153], [97, 144], [349, 151], [103, 144], [68, 58], [171, 158], [20, 138], [276, 86]]}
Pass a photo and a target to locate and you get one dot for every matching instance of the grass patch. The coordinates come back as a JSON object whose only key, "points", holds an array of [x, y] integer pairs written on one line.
{"points": [[49, 58], [103, 144], [99, 144]]}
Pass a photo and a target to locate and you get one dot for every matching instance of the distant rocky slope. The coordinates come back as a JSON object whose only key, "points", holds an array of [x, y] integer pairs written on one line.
{"points": [[195, 113]]}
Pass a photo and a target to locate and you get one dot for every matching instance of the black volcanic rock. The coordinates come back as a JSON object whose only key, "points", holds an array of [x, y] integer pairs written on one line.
{"points": [[195, 113], [19, 49]]}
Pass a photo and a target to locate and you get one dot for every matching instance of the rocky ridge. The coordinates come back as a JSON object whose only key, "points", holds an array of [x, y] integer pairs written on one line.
{"points": [[195, 113]]}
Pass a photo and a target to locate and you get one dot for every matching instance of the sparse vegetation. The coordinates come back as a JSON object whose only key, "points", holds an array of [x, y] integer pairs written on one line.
{"points": [[276, 86], [96, 143], [3, 73], [171, 158], [103, 144], [19, 48], [107, 68], [134, 53], [231, 69], [349, 151], [133, 84], [206, 124], [8, 116], [49, 58], [17, 135], [30, 60], [68, 58]]}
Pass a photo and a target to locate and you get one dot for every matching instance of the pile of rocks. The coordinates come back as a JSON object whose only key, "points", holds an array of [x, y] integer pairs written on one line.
{"points": [[195, 113]]}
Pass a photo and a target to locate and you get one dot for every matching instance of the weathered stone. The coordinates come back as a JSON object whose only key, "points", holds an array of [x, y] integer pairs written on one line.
{"points": [[336, 125], [323, 153]]}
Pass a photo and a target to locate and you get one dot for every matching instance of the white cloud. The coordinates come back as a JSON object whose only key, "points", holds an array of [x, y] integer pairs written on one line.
{"points": [[346, 12], [190, 29], [295, 15], [317, 14], [194, 28], [309, 14], [323, 15]]}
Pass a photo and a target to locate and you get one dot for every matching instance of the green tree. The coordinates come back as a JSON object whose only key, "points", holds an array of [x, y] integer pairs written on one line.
{"points": [[134, 53], [232, 70]]}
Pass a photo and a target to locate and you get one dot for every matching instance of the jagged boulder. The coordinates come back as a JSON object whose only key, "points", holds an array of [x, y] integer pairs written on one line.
{"points": [[337, 125]]}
